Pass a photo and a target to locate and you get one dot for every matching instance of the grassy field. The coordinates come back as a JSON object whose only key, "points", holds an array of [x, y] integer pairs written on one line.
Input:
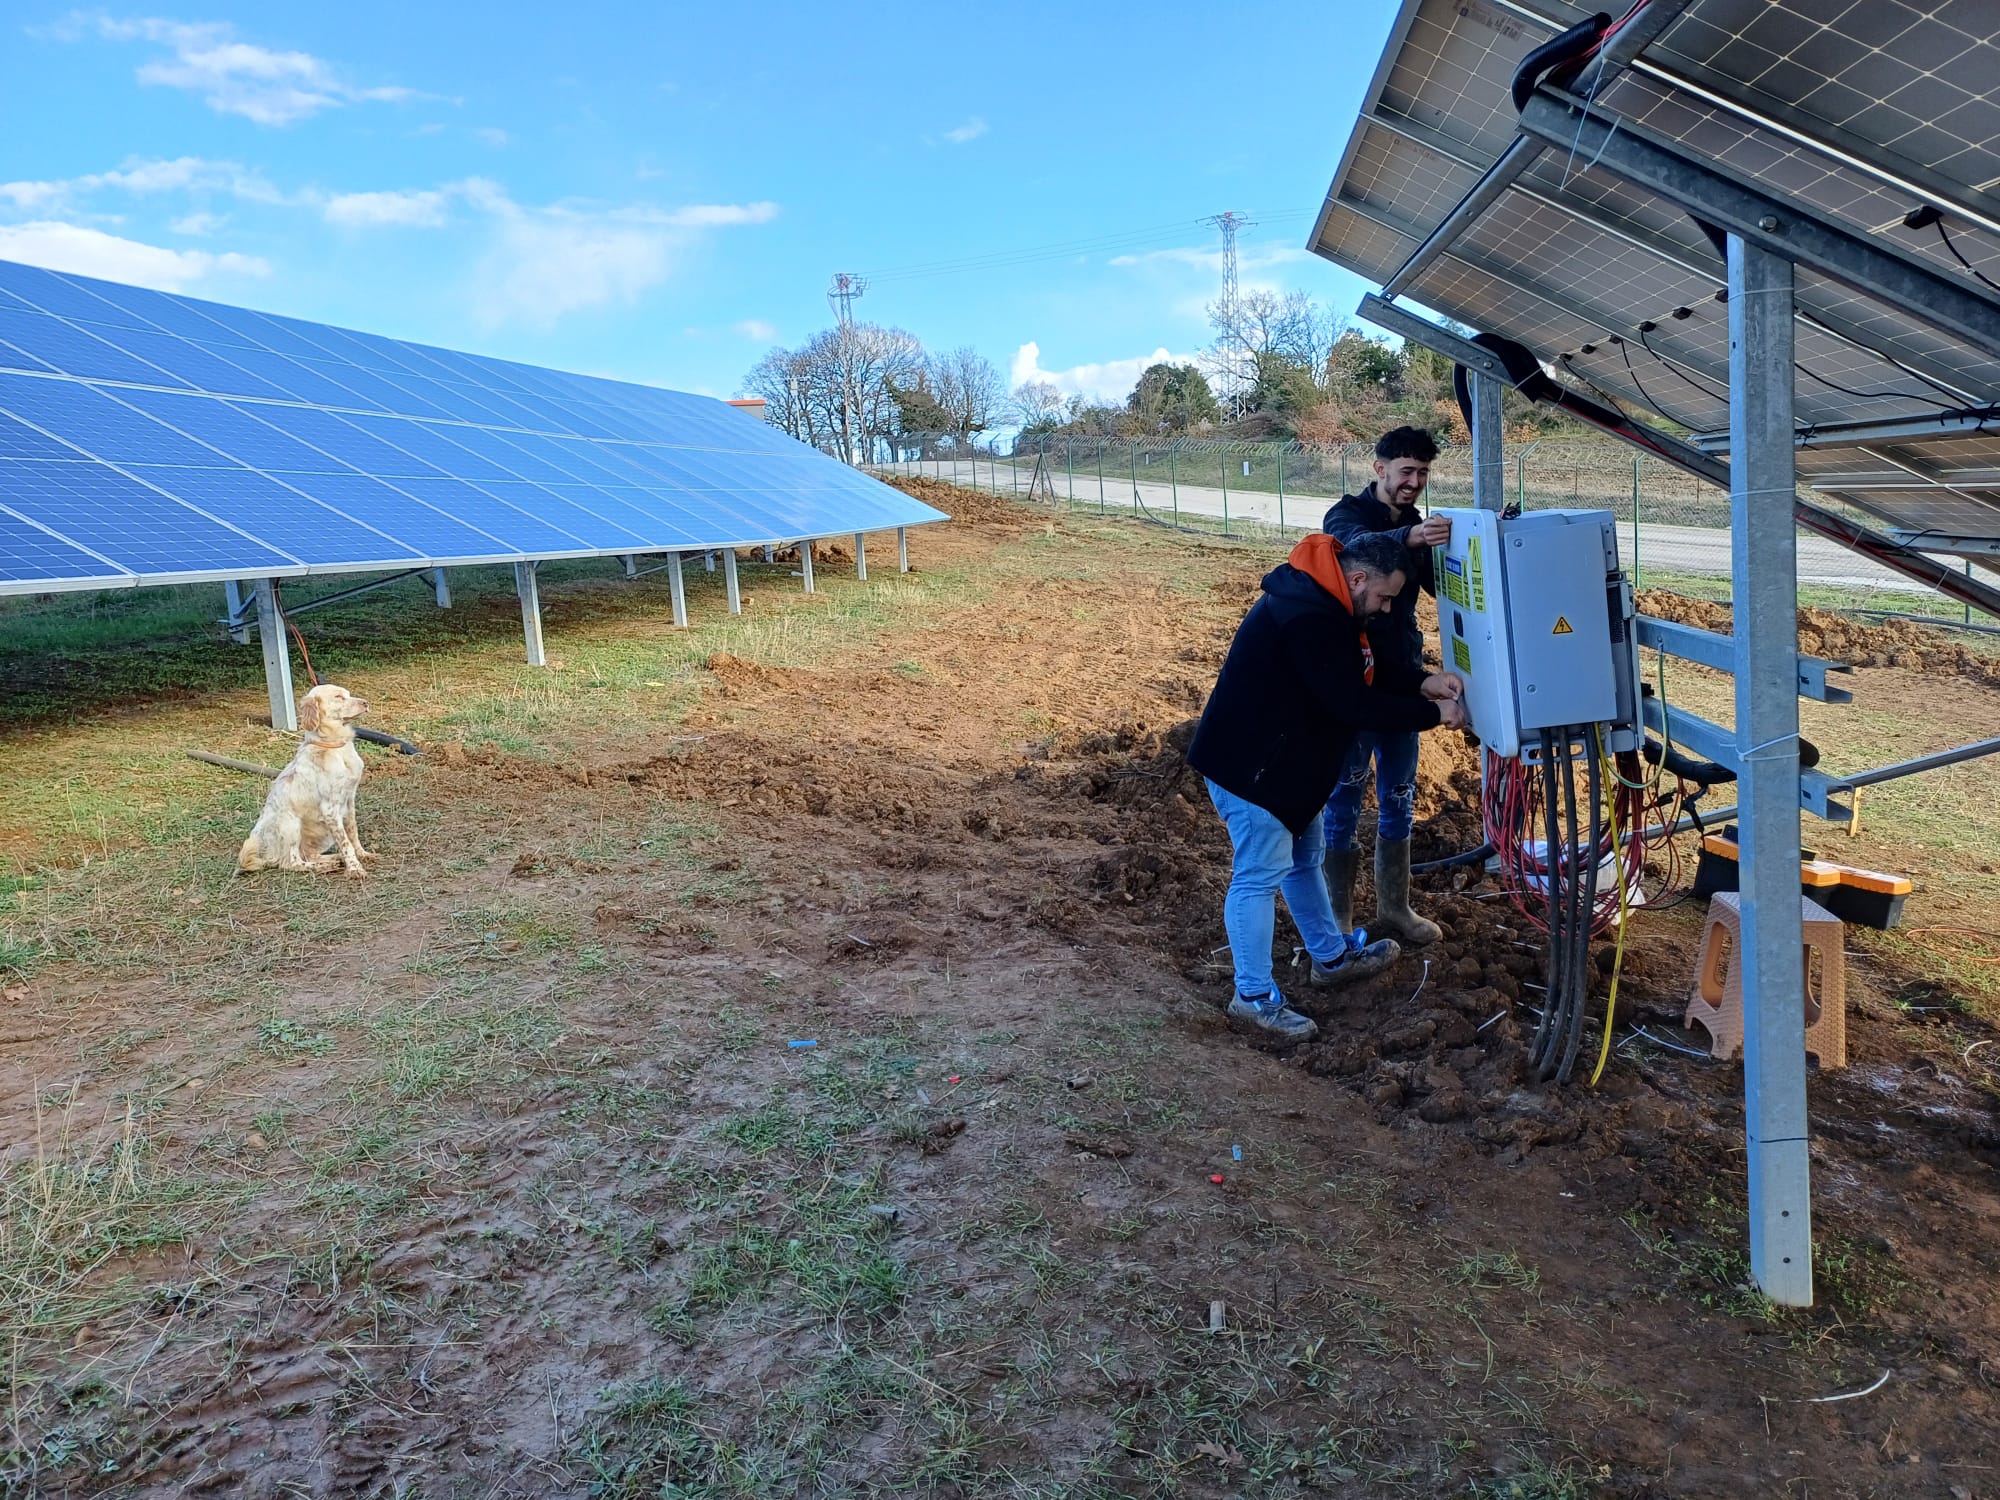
{"points": [[498, 1173]]}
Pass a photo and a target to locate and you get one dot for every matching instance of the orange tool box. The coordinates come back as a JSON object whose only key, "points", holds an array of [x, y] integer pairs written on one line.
{"points": [[1867, 898]]}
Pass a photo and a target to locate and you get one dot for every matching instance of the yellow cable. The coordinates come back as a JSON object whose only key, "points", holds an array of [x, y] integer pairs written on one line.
{"points": [[1624, 896]]}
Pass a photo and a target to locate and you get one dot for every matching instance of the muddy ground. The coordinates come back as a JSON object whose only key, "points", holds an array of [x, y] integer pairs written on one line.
{"points": [[503, 1174]]}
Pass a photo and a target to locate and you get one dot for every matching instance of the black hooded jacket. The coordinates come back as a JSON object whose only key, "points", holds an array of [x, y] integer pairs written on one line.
{"points": [[1396, 636], [1293, 694]]}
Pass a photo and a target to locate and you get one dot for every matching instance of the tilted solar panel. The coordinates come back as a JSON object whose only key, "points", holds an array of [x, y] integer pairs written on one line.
{"points": [[1884, 118], [147, 437]]}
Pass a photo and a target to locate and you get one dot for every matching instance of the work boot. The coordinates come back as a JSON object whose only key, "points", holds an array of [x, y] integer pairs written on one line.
{"points": [[1358, 960], [1341, 865], [1392, 896], [1270, 1015]]}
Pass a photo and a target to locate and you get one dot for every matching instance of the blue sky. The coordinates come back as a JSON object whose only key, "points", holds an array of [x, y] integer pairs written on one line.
{"points": [[660, 192]]}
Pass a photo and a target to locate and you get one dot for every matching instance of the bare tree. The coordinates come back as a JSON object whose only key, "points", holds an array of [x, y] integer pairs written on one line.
{"points": [[1039, 404], [1263, 323], [809, 388], [969, 388]]}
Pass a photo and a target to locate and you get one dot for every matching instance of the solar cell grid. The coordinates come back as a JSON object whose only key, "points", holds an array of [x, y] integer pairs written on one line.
{"points": [[30, 555], [300, 526], [337, 449], [129, 522], [100, 425]]}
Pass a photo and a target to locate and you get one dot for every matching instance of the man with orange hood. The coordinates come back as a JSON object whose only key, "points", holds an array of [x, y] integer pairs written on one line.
{"points": [[1299, 683]]}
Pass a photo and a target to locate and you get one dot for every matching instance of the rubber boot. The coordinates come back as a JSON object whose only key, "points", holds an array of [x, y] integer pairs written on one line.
{"points": [[1341, 865], [1392, 897]]}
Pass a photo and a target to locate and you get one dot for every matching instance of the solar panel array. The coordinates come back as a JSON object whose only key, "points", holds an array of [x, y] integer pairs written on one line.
{"points": [[1861, 110], [150, 438]]}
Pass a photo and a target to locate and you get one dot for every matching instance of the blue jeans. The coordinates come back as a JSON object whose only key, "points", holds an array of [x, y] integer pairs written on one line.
{"points": [[1271, 858], [1395, 757]]}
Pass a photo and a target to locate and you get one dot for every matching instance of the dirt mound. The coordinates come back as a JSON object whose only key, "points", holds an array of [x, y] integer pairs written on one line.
{"points": [[1884, 643], [967, 507], [735, 676]]}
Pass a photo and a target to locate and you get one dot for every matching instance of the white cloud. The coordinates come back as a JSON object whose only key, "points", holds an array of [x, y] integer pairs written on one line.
{"points": [[548, 264], [758, 329], [234, 77], [1111, 380], [714, 215], [92, 252], [971, 130], [197, 224], [424, 209], [191, 174], [493, 135]]}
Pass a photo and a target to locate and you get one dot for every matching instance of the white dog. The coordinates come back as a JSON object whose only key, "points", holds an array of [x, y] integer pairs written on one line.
{"points": [[311, 806]]}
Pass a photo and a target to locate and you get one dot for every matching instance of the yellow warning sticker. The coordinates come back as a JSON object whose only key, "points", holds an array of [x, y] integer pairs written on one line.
{"points": [[1562, 626], [1477, 568], [1461, 655]]}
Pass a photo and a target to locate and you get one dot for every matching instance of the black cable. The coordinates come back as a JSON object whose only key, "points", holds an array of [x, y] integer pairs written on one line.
{"points": [[1538, 1046], [1945, 235], [1674, 369], [1646, 396], [1810, 373]]}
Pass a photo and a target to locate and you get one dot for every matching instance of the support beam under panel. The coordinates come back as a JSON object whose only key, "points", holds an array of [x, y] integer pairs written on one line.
{"points": [[239, 626], [861, 556], [631, 565], [527, 586], [1489, 466], [1765, 559], [277, 657], [443, 586], [729, 581], [902, 549], [806, 562], [1774, 223], [1817, 519], [677, 587]]}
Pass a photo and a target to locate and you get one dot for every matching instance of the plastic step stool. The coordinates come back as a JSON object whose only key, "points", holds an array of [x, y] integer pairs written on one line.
{"points": [[1717, 1002]]}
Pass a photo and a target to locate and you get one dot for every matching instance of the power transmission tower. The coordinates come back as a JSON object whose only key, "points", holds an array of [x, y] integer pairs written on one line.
{"points": [[1232, 340], [841, 296]]}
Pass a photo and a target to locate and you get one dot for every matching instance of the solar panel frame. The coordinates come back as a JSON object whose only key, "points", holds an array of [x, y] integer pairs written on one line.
{"points": [[1561, 286], [345, 441]]}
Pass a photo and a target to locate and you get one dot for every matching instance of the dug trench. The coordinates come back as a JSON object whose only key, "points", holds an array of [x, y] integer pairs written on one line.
{"points": [[967, 1241]]}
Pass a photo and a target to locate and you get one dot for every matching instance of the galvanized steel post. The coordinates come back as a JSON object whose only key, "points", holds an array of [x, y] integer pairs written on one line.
{"points": [[902, 549], [677, 587], [1489, 471], [861, 556], [1762, 485], [806, 562], [443, 586], [1174, 477], [729, 581], [1222, 467], [1281, 487], [526, 585], [277, 657]]}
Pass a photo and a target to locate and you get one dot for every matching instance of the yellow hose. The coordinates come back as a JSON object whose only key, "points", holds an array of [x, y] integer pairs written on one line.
{"points": [[1611, 785]]}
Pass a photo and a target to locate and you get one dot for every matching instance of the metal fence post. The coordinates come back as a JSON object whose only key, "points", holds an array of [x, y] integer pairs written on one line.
{"points": [[1100, 476], [1132, 458], [1222, 467], [1635, 520], [1069, 469], [1343, 469], [1281, 487], [1174, 477]]}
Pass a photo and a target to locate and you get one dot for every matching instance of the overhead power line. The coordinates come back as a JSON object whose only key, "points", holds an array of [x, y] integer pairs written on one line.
{"points": [[1116, 241]]}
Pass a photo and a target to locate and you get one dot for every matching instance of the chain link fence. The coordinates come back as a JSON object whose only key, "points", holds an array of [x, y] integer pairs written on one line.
{"points": [[1673, 529]]}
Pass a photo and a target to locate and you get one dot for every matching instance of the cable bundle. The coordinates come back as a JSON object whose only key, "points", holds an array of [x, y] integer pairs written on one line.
{"points": [[1571, 858]]}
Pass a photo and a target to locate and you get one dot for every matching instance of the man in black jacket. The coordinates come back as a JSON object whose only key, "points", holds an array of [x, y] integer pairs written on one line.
{"points": [[1300, 682], [1388, 508]]}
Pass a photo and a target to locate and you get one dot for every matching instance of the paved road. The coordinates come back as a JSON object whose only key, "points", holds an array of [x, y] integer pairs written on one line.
{"points": [[1670, 549]]}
